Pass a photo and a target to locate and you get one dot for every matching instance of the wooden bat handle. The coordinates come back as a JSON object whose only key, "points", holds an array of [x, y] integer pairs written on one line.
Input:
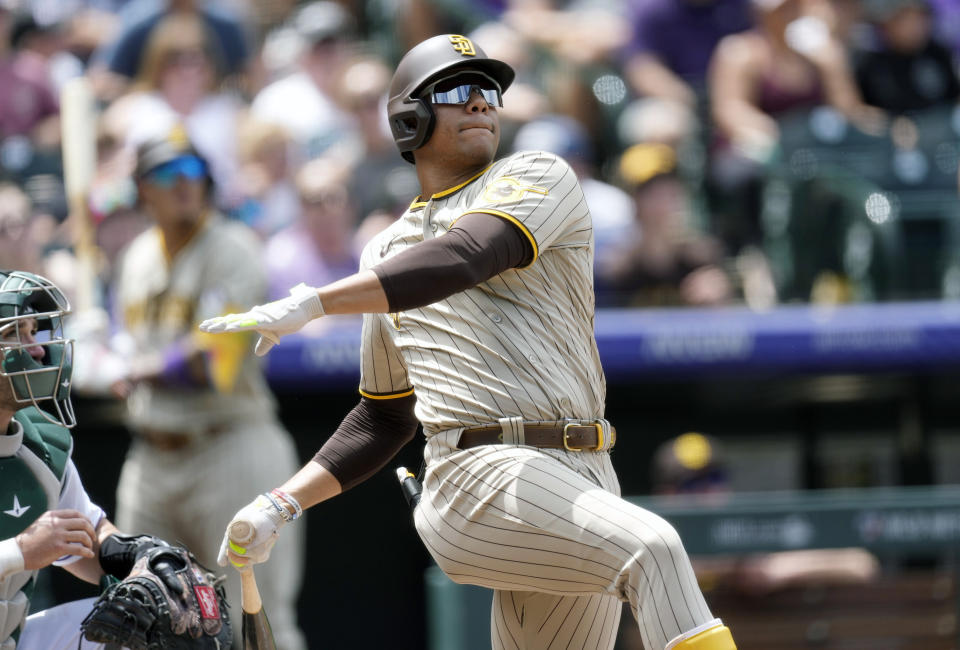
{"points": [[249, 594], [256, 631]]}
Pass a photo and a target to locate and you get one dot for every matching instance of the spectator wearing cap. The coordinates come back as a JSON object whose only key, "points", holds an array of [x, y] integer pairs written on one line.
{"points": [[179, 83], [305, 101], [694, 466], [203, 420], [662, 260], [907, 69], [691, 463]]}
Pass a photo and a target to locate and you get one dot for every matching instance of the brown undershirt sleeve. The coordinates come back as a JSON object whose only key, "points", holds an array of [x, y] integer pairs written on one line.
{"points": [[369, 436], [478, 247]]}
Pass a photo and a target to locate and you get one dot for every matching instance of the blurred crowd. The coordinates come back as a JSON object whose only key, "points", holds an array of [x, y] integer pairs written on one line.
{"points": [[732, 151]]}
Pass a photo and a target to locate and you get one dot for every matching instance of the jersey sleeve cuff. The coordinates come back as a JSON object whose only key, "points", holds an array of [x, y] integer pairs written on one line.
{"points": [[390, 395]]}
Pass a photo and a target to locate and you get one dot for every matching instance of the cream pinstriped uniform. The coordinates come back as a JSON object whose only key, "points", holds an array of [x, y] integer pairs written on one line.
{"points": [[183, 495], [532, 524]]}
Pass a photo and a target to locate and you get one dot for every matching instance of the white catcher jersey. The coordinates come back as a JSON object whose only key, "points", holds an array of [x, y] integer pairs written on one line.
{"points": [[518, 345]]}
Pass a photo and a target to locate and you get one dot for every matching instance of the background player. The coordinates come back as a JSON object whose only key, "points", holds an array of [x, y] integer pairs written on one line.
{"points": [[203, 419], [480, 300]]}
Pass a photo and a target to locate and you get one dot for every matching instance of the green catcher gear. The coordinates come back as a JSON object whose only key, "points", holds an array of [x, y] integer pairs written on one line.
{"points": [[32, 310]]}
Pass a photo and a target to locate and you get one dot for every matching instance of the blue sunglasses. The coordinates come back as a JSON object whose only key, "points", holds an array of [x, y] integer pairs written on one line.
{"points": [[166, 175], [458, 88]]}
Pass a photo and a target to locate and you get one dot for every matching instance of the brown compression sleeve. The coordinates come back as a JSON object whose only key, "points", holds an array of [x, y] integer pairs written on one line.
{"points": [[371, 434], [477, 248]]}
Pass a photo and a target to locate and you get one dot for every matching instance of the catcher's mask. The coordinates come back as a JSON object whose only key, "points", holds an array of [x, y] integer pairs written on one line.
{"points": [[409, 111], [31, 320]]}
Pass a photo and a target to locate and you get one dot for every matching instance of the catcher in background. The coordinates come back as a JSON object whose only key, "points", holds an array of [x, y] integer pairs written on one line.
{"points": [[47, 516]]}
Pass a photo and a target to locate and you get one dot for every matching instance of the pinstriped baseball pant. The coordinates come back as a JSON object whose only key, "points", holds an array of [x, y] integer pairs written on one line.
{"points": [[188, 496], [548, 531]]}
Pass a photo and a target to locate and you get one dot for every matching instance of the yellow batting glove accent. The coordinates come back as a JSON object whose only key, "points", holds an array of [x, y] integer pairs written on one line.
{"points": [[229, 319], [239, 550]]}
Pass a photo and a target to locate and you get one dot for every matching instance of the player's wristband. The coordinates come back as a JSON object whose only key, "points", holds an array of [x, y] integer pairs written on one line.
{"points": [[279, 494], [11, 558]]}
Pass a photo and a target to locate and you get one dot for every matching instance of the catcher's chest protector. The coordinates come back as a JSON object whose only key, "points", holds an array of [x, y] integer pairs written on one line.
{"points": [[31, 475]]}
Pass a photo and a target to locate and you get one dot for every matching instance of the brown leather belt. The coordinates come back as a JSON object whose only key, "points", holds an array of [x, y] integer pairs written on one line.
{"points": [[174, 440], [572, 437]]}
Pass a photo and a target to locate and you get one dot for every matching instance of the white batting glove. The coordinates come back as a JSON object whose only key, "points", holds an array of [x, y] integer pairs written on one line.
{"points": [[252, 532], [272, 320]]}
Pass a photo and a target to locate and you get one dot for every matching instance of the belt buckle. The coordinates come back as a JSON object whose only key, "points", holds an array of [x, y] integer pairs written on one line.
{"points": [[566, 440]]}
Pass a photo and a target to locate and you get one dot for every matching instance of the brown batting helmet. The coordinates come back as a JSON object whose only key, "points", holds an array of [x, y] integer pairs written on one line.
{"points": [[411, 117]]}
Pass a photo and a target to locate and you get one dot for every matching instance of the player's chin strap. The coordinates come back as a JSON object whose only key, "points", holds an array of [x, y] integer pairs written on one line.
{"points": [[712, 635]]}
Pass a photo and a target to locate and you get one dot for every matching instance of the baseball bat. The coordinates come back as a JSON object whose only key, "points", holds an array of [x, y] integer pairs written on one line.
{"points": [[410, 486], [255, 627], [78, 135]]}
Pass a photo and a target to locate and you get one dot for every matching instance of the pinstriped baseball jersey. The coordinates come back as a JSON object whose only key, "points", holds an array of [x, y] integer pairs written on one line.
{"points": [[240, 444], [518, 345], [161, 300]]}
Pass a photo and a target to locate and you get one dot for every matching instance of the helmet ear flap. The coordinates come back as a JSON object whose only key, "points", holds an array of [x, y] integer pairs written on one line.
{"points": [[412, 126]]}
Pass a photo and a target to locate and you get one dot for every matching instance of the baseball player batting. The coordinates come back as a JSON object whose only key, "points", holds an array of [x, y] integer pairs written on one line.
{"points": [[478, 323]]}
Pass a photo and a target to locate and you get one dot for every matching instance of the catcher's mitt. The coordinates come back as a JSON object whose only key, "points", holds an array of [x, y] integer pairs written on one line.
{"points": [[169, 601]]}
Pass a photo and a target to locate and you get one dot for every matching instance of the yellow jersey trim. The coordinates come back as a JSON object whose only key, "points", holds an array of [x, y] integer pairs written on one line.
{"points": [[386, 395], [417, 203], [512, 219], [449, 191]]}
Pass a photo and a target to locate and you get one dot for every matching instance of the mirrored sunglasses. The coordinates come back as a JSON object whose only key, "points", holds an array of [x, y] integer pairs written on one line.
{"points": [[458, 88], [166, 175]]}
